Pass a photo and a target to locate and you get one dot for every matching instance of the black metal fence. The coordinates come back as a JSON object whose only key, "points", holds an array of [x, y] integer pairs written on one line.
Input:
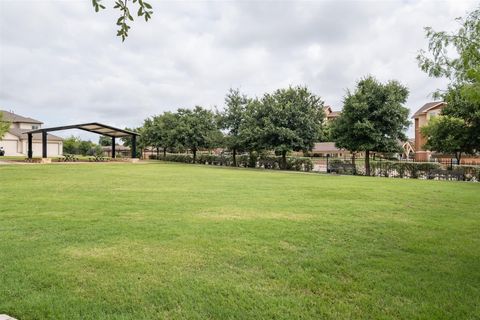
{"points": [[445, 169]]}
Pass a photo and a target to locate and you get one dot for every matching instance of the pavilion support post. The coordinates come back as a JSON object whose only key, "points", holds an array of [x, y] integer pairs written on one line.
{"points": [[113, 147], [134, 146], [44, 144], [29, 146]]}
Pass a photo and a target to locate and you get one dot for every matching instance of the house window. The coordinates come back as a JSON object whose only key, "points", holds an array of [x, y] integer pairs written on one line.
{"points": [[34, 127]]}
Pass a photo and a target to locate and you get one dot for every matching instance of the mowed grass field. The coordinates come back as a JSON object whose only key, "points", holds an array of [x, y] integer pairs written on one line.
{"points": [[173, 241]]}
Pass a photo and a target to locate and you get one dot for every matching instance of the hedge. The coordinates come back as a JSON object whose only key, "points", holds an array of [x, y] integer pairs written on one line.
{"points": [[414, 170], [244, 160]]}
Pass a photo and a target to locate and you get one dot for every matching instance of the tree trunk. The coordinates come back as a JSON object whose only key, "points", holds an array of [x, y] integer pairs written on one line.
{"points": [[284, 160], [353, 164], [252, 161], [158, 152], [164, 151], [234, 155], [458, 156], [367, 162], [194, 155]]}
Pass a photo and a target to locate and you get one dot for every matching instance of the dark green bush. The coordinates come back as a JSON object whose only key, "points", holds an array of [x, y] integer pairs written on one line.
{"points": [[300, 163], [340, 166], [415, 170], [185, 158], [246, 160], [403, 169], [243, 160]]}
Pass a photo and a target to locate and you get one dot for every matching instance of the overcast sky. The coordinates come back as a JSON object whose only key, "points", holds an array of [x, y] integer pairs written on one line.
{"points": [[61, 62]]}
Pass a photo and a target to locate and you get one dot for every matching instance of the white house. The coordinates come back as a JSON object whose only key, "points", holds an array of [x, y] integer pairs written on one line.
{"points": [[14, 142]]}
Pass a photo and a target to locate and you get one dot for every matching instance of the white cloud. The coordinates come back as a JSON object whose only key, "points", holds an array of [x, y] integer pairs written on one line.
{"points": [[61, 62]]}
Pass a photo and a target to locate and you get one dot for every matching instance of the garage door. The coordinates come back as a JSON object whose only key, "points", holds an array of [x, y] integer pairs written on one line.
{"points": [[10, 147], [52, 149]]}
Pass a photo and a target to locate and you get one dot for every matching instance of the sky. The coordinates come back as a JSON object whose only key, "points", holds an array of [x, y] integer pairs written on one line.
{"points": [[61, 63]]}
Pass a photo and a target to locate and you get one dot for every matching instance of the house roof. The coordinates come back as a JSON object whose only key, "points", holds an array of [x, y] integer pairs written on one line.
{"points": [[15, 118], [426, 107], [22, 134], [330, 113], [325, 147]]}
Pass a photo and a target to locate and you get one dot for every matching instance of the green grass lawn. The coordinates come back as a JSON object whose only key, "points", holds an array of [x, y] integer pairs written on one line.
{"points": [[173, 241]]}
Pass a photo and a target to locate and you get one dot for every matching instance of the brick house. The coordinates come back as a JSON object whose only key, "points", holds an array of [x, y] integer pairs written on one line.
{"points": [[422, 116]]}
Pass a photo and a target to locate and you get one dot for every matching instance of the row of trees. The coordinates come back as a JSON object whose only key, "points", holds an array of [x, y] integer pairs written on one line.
{"points": [[292, 119], [286, 120]]}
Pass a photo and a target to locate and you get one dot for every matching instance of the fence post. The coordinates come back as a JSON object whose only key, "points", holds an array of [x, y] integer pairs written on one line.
{"points": [[328, 155]]}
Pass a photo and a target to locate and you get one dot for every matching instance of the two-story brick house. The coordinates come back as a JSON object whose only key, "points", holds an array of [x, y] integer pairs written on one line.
{"points": [[422, 116]]}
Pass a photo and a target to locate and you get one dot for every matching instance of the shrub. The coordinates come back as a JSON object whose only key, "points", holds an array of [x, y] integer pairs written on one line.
{"points": [[426, 170], [212, 159], [243, 160], [381, 168], [269, 162], [185, 158], [300, 164], [246, 160], [340, 166], [252, 159], [403, 169]]}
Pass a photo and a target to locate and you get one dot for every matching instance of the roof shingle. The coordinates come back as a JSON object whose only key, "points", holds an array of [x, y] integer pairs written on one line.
{"points": [[22, 134], [15, 118], [325, 147], [426, 107]]}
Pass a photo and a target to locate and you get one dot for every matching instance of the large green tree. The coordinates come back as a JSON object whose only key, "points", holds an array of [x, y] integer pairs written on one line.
{"points": [[231, 120], [149, 134], [288, 119], [461, 106], [456, 56], [196, 129], [373, 118], [251, 129], [167, 126], [70, 145], [85, 146], [105, 141], [447, 135], [160, 131]]}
